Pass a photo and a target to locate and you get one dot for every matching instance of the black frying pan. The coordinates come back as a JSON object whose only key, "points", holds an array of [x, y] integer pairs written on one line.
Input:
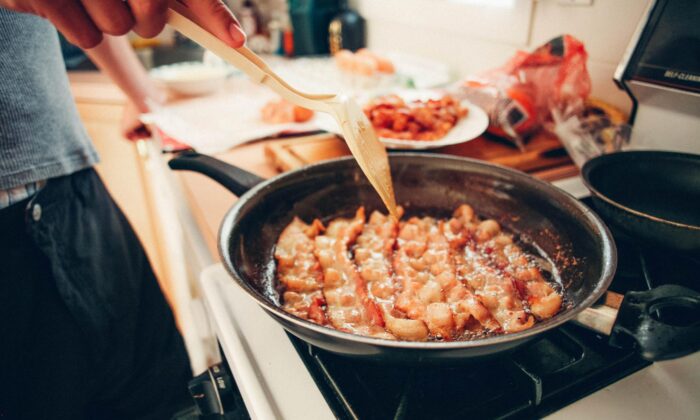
{"points": [[654, 198], [570, 233], [650, 195]]}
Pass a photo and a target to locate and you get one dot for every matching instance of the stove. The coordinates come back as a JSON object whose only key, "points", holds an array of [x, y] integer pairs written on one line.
{"points": [[563, 366], [547, 374]]}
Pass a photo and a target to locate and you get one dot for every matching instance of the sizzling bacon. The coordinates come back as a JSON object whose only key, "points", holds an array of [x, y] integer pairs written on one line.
{"points": [[543, 300], [466, 306], [373, 255], [496, 292], [415, 280], [425, 266], [350, 308], [412, 244], [299, 272]]}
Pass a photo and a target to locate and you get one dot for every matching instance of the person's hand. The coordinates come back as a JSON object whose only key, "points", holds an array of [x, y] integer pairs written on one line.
{"points": [[83, 22], [132, 128]]}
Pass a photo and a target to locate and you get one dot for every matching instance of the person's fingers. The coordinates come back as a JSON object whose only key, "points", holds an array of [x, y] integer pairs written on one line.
{"points": [[150, 16], [71, 19], [132, 127], [112, 17], [138, 133], [215, 17]]}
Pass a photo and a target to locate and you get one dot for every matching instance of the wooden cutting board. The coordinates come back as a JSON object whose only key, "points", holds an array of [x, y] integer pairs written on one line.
{"points": [[544, 155]]}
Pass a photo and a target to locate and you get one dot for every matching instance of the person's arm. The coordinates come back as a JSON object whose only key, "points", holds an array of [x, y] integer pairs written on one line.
{"points": [[115, 57]]}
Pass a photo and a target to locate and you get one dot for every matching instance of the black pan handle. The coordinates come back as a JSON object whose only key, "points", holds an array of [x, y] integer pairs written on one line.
{"points": [[234, 179], [662, 323]]}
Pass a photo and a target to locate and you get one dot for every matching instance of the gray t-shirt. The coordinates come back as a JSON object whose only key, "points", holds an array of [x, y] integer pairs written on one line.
{"points": [[41, 135]]}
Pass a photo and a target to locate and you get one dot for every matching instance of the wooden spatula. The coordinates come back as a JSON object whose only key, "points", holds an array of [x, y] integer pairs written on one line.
{"points": [[357, 130]]}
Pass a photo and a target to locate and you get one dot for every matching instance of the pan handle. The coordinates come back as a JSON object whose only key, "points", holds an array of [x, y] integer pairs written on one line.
{"points": [[234, 179], [662, 323]]}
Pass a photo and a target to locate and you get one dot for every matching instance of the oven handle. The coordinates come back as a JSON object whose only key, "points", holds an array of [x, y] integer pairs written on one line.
{"points": [[661, 324]]}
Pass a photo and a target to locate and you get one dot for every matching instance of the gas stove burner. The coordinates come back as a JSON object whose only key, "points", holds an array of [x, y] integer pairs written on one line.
{"points": [[541, 377]]}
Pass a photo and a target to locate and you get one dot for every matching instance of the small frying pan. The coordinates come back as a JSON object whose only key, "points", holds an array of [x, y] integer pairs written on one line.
{"points": [[654, 198], [649, 195]]}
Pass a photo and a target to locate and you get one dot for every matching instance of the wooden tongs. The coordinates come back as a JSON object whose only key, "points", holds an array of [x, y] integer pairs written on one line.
{"points": [[358, 132]]}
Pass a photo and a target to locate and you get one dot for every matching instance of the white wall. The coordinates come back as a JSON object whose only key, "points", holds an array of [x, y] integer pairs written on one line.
{"points": [[473, 38]]}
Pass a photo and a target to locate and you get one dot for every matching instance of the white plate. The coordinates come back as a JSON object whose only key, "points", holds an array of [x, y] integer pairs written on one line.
{"points": [[468, 128]]}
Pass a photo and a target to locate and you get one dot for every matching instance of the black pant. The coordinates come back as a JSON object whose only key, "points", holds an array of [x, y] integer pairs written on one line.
{"points": [[85, 331]]}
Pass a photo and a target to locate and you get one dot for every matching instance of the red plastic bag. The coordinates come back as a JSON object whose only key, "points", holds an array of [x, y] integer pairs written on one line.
{"points": [[521, 95]]}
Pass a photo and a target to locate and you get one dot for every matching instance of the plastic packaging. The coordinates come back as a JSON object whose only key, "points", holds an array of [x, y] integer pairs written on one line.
{"points": [[596, 130], [525, 92]]}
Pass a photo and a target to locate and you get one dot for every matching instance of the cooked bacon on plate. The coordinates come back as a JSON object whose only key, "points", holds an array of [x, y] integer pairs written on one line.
{"points": [[392, 117], [419, 279]]}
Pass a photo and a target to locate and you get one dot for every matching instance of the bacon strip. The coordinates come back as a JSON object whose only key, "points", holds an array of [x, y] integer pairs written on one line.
{"points": [[373, 256], [466, 305], [415, 280], [412, 244], [426, 269], [373, 252], [299, 272], [350, 308], [495, 291], [543, 301]]}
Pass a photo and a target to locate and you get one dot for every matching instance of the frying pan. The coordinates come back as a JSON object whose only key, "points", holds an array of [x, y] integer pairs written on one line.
{"points": [[570, 233], [653, 197], [650, 195]]}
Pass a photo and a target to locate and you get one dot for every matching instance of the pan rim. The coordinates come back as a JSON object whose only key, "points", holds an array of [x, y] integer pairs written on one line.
{"points": [[609, 265], [596, 162]]}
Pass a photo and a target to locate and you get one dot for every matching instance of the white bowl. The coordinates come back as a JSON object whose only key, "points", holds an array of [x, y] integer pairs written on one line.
{"points": [[191, 78]]}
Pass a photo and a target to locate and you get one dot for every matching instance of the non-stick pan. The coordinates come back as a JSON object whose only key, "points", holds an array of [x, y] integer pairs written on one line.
{"points": [[650, 195], [571, 234]]}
